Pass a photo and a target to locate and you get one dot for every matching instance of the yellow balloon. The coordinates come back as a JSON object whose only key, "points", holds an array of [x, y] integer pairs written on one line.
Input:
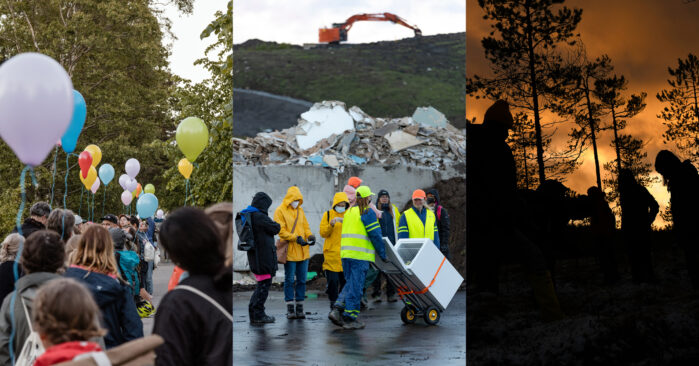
{"points": [[185, 168], [91, 177], [96, 153]]}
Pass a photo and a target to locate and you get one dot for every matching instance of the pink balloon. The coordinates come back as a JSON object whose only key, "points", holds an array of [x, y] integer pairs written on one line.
{"points": [[36, 100], [95, 186], [58, 143], [126, 197]]}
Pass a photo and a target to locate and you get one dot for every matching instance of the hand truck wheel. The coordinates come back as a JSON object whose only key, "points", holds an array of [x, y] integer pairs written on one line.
{"points": [[407, 315], [432, 315]]}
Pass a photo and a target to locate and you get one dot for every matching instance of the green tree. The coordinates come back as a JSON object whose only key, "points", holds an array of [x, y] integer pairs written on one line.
{"points": [[681, 116], [526, 69]]}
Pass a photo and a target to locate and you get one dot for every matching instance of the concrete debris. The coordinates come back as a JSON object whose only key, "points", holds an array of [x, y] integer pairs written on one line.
{"points": [[329, 135], [428, 116]]}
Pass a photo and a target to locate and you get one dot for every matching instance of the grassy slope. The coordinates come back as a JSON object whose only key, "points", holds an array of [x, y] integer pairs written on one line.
{"points": [[385, 79]]}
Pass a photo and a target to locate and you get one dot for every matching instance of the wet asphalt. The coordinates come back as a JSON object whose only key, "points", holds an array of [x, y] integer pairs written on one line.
{"points": [[316, 341]]}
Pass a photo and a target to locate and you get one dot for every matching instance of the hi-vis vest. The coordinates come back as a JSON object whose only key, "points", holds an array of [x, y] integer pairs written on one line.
{"points": [[355, 241], [415, 227]]}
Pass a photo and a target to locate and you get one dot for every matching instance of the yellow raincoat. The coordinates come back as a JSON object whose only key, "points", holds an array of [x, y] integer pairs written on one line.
{"points": [[332, 235], [285, 215]]}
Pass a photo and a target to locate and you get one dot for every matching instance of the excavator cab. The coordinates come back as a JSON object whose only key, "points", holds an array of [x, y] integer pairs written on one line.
{"points": [[333, 35]]}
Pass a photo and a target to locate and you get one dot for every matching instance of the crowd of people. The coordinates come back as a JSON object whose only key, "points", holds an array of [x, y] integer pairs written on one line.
{"points": [[72, 287], [353, 229]]}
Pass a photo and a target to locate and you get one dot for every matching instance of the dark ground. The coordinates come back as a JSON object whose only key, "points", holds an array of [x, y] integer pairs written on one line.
{"points": [[625, 324], [385, 79], [316, 341]]}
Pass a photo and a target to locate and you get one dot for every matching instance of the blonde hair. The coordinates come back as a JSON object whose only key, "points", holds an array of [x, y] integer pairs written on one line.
{"points": [[96, 251], [10, 245], [65, 311]]}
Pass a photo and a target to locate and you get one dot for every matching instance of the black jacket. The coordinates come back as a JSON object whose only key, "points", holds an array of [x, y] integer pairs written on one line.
{"points": [[263, 259], [195, 331], [442, 222], [29, 226], [7, 277]]}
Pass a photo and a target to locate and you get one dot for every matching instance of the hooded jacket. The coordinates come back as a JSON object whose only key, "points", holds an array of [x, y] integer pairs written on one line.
{"points": [[26, 290], [332, 235], [351, 194], [119, 315], [263, 258], [442, 217], [285, 215]]}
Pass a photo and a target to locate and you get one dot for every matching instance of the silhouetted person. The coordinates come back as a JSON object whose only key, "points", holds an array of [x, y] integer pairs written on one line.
{"points": [[552, 216], [603, 227], [494, 211], [682, 182], [638, 211]]}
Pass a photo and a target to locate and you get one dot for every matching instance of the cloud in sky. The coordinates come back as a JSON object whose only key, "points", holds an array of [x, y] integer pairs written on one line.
{"points": [[297, 22]]}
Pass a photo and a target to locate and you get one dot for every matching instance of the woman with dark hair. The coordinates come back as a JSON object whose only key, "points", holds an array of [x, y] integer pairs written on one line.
{"points": [[94, 264], [195, 318], [42, 257]]}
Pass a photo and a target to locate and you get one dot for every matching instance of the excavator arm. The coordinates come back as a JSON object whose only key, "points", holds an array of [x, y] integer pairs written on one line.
{"points": [[338, 32]]}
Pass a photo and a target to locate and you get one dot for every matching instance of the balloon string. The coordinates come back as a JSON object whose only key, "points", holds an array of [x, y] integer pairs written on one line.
{"points": [[104, 198], [15, 266], [93, 207], [80, 210], [53, 176], [186, 191]]}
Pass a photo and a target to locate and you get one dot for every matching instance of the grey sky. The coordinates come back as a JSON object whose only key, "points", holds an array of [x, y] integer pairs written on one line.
{"points": [[298, 21]]}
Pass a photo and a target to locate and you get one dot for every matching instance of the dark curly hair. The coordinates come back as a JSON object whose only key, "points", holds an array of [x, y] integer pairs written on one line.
{"points": [[64, 311], [43, 251]]}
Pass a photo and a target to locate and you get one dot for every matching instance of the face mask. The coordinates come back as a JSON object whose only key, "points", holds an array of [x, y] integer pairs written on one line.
{"points": [[340, 209], [295, 204], [430, 200]]}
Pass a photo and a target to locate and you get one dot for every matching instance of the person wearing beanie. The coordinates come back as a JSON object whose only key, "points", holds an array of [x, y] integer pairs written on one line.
{"points": [[389, 228], [494, 219], [418, 221]]}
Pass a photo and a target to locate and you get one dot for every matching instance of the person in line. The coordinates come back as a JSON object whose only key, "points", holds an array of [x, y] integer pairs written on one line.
{"points": [[195, 318], [418, 221], [38, 216], [62, 222], [129, 265], [389, 228], [361, 240], [682, 180], [110, 221], [296, 231], [331, 230], [146, 265], [8, 254], [603, 227], [222, 215], [65, 316], [42, 257], [95, 266], [263, 256], [442, 215]]}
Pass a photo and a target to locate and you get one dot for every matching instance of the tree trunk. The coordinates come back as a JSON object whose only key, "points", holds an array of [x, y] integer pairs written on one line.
{"points": [[592, 134], [694, 89], [616, 143], [535, 99]]}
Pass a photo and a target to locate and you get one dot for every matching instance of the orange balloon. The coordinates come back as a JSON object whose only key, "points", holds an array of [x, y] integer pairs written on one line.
{"points": [[137, 191]]}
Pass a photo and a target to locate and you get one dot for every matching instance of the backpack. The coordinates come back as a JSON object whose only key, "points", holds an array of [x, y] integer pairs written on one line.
{"points": [[243, 226], [439, 212], [148, 251], [33, 347], [128, 267]]}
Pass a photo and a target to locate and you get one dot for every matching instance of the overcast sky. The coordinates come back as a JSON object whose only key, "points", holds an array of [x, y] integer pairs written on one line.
{"points": [[187, 28], [643, 38], [297, 22]]}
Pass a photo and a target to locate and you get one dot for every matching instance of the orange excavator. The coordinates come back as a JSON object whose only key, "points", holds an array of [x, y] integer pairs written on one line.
{"points": [[338, 32]]}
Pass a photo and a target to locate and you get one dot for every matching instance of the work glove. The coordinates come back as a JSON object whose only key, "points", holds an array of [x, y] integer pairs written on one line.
{"points": [[300, 241], [311, 240]]}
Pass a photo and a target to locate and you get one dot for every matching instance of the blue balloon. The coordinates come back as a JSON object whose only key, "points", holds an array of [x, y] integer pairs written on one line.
{"points": [[106, 174], [70, 137], [147, 205]]}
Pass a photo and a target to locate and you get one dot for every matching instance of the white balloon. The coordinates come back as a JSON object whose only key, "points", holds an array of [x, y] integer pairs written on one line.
{"points": [[159, 214], [132, 168], [123, 179], [131, 185]]}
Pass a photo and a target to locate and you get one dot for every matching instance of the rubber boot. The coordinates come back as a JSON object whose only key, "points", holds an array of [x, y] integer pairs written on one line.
{"points": [[545, 296], [353, 324], [299, 311], [290, 313]]}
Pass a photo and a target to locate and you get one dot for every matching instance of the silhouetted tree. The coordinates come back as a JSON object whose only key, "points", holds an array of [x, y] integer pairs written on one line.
{"points": [[634, 158], [681, 117], [526, 69]]}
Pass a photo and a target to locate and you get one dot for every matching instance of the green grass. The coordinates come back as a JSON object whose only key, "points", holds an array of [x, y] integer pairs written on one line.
{"points": [[385, 79]]}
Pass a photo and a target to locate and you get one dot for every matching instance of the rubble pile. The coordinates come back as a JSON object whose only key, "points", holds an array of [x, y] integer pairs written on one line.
{"points": [[332, 136]]}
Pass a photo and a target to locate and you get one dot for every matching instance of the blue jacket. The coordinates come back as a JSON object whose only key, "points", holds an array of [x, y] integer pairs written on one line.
{"points": [[119, 314], [387, 222], [373, 229], [151, 229], [423, 216]]}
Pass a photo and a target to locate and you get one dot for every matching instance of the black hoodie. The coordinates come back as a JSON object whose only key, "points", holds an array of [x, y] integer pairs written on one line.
{"points": [[263, 258], [442, 222]]}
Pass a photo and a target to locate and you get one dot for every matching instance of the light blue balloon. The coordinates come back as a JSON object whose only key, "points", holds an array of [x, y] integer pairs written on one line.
{"points": [[106, 173], [70, 137], [147, 205]]}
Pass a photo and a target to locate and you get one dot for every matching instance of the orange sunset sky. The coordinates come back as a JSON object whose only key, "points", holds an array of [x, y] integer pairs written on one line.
{"points": [[642, 38]]}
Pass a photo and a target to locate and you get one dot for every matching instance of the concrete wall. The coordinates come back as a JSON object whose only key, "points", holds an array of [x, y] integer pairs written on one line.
{"points": [[318, 186]]}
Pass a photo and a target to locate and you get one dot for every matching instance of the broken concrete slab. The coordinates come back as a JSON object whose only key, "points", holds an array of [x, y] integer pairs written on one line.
{"points": [[400, 140], [331, 160], [430, 117], [412, 129], [321, 121], [386, 129]]}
